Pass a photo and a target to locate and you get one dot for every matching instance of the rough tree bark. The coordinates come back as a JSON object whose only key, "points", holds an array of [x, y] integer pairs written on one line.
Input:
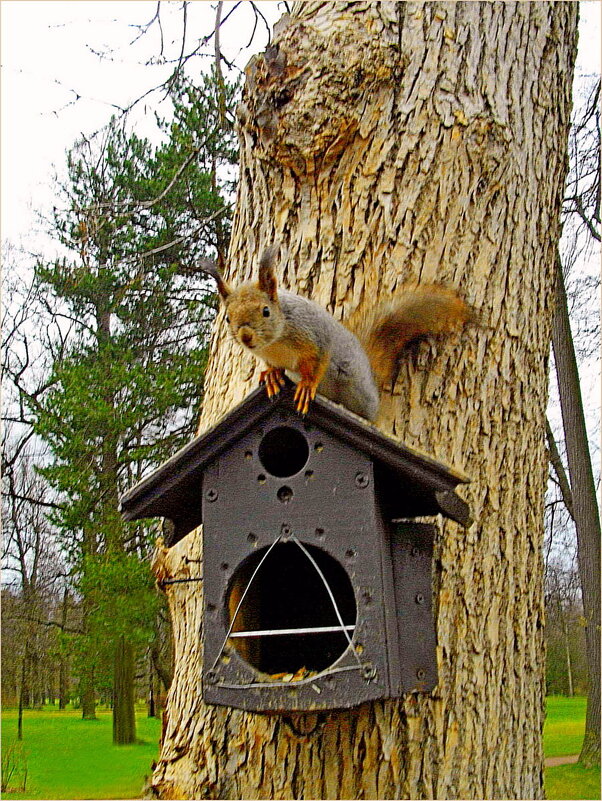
{"points": [[380, 143]]}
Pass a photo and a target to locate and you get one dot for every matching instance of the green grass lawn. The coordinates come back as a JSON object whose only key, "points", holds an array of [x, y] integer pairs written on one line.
{"points": [[68, 757], [565, 725], [562, 736], [572, 782]]}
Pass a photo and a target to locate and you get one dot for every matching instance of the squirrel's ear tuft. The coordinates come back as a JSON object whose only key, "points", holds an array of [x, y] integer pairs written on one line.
{"points": [[267, 278], [210, 267]]}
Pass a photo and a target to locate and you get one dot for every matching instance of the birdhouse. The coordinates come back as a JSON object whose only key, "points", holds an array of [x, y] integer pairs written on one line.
{"points": [[316, 576]]}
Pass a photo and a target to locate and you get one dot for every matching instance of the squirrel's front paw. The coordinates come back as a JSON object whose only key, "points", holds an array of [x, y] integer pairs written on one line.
{"points": [[304, 394], [273, 378]]}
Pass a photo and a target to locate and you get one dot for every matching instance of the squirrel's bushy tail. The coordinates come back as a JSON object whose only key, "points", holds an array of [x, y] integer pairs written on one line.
{"points": [[419, 311]]}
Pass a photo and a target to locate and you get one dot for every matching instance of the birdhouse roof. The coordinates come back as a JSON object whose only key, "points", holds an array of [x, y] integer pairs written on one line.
{"points": [[174, 490]]}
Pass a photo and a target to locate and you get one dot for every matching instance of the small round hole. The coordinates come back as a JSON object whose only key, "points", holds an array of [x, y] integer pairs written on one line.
{"points": [[261, 478], [252, 538], [283, 451], [318, 447], [248, 454], [320, 532]]}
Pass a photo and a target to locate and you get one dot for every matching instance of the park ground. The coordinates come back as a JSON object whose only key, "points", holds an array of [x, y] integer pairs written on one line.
{"points": [[70, 758]]}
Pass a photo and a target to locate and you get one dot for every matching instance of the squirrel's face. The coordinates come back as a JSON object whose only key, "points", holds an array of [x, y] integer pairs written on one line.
{"points": [[254, 318]]}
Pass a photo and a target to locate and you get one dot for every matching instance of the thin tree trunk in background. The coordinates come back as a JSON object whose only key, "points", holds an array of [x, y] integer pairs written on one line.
{"points": [[569, 665], [124, 719], [63, 682], [585, 508], [88, 692], [563, 481], [383, 143], [63, 657], [87, 674], [151, 687], [22, 691]]}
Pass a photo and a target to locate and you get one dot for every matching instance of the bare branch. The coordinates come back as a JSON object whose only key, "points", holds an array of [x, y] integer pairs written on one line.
{"points": [[556, 462]]}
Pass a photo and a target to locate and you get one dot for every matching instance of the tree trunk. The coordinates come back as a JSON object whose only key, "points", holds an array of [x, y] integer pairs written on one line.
{"points": [[383, 143], [585, 511], [63, 656], [63, 682], [151, 688], [22, 691], [87, 673], [124, 718], [88, 692], [569, 666]]}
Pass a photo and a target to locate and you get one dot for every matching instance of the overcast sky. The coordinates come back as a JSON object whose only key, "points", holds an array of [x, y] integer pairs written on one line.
{"points": [[55, 86]]}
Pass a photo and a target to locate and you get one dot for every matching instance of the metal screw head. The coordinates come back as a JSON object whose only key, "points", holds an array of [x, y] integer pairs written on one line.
{"points": [[415, 551], [212, 495], [419, 598], [284, 494], [420, 674], [362, 480], [369, 672]]}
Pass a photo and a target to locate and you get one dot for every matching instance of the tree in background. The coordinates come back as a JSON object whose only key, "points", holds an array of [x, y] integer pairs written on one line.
{"points": [[132, 220], [566, 667], [33, 576], [582, 215]]}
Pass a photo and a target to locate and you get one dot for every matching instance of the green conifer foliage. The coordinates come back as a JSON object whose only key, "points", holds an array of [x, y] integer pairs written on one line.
{"points": [[131, 219]]}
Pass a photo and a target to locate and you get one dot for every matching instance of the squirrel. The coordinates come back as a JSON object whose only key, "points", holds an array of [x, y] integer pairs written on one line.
{"points": [[293, 334]]}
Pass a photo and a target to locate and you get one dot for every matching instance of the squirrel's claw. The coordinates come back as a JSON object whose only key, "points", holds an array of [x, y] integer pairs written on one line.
{"points": [[304, 394], [273, 378]]}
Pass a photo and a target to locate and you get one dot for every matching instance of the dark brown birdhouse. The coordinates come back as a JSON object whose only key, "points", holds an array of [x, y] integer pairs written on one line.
{"points": [[317, 582]]}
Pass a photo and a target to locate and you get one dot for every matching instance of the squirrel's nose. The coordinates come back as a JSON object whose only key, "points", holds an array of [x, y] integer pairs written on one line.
{"points": [[246, 337]]}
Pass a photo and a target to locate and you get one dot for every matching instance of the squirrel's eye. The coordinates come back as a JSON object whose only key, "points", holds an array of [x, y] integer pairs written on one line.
{"points": [[266, 311]]}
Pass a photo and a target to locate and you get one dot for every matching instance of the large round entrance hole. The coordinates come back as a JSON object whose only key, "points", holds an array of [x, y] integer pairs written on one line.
{"points": [[283, 451], [288, 595]]}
